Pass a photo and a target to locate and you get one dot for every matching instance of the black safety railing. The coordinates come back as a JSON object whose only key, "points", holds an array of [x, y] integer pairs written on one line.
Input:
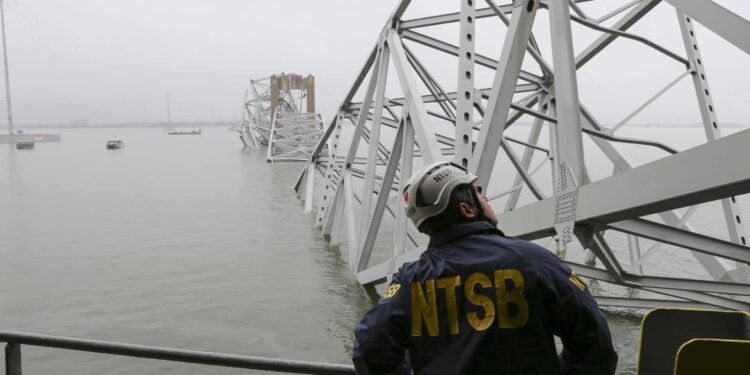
{"points": [[14, 341]]}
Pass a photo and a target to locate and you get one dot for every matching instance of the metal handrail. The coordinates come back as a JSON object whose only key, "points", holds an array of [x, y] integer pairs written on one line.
{"points": [[15, 339]]}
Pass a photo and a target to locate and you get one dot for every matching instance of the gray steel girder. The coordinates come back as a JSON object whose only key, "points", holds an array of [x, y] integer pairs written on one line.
{"points": [[659, 186]]}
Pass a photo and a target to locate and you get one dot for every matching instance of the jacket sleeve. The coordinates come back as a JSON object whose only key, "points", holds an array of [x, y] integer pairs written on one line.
{"points": [[577, 320], [380, 338]]}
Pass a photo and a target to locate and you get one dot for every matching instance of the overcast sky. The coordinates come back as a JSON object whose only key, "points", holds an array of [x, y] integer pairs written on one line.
{"points": [[114, 60]]}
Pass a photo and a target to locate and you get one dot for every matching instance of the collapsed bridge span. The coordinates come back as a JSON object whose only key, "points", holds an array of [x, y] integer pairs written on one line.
{"points": [[522, 112]]}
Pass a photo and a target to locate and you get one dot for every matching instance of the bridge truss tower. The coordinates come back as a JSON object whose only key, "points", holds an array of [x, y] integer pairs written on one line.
{"points": [[633, 227], [279, 112]]}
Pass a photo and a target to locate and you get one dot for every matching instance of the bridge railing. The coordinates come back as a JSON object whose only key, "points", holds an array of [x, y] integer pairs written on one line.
{"points": [[14, 340]]}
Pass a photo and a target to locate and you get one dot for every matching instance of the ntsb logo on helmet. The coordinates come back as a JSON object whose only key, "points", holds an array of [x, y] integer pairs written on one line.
{"points": [[442, 174]]}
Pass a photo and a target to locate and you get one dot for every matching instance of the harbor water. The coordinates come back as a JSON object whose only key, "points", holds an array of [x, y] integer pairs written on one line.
{"points": [[189, 242]]}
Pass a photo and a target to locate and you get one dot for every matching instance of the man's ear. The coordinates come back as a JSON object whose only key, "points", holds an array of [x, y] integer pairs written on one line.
{"points": [[467, 210]]}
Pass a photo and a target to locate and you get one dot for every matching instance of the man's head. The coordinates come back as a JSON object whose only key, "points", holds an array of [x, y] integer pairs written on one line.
{"points": [[441, 195]]}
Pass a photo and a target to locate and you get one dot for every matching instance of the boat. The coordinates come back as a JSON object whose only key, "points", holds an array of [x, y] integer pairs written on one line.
{"points": [[185, 132], [25, 145], [114, 144]]}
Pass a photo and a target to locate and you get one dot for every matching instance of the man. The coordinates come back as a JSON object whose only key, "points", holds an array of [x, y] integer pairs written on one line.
{"points": [[477, 302]]}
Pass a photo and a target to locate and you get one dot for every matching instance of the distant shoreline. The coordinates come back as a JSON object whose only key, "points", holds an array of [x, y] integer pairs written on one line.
{"points": [[158, 125], [229, 124]]}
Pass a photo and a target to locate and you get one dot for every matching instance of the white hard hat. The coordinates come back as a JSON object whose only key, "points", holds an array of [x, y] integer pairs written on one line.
{"points": [[428, 192]]}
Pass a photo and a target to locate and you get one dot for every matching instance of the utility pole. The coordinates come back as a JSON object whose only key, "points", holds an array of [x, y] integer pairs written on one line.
{"points": [[167, 100], [7, 77]]}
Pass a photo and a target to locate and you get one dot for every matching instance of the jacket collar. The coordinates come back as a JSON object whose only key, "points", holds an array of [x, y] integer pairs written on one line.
{"points": [[460, 230]]}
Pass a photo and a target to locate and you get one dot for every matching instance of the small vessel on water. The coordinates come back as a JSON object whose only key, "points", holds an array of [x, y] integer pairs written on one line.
{"points": [[25, 145], [185, 132], [114, 144]]}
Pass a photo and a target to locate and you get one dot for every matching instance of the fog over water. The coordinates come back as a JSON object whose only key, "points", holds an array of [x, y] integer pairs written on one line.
{"points": [[113, 61]]}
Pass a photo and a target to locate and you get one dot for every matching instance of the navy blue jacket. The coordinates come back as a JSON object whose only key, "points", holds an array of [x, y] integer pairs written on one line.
{"points": [[477, 302]]}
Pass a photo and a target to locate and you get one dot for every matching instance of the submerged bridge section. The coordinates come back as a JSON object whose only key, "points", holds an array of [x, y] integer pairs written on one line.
{"points": [[625, 228], [279, 112]]}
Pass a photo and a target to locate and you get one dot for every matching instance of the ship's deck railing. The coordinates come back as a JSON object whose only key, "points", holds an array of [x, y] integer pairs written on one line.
{"points": [[14, 341]]}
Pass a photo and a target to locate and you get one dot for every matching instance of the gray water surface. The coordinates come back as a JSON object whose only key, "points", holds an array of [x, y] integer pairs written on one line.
{"points": [[181, 241]]}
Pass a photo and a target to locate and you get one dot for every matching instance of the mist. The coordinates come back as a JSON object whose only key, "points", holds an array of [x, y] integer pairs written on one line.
{"points": [[106, 61]]}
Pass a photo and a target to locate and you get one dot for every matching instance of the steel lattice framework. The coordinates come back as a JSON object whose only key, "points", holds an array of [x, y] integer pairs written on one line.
{"points": [[294, 136], [354, 176], [279, 112], [256, 113]]}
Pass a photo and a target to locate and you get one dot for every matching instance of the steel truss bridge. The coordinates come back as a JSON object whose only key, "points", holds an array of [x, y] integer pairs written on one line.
{"points": [[623, 221], [279, 112]]}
